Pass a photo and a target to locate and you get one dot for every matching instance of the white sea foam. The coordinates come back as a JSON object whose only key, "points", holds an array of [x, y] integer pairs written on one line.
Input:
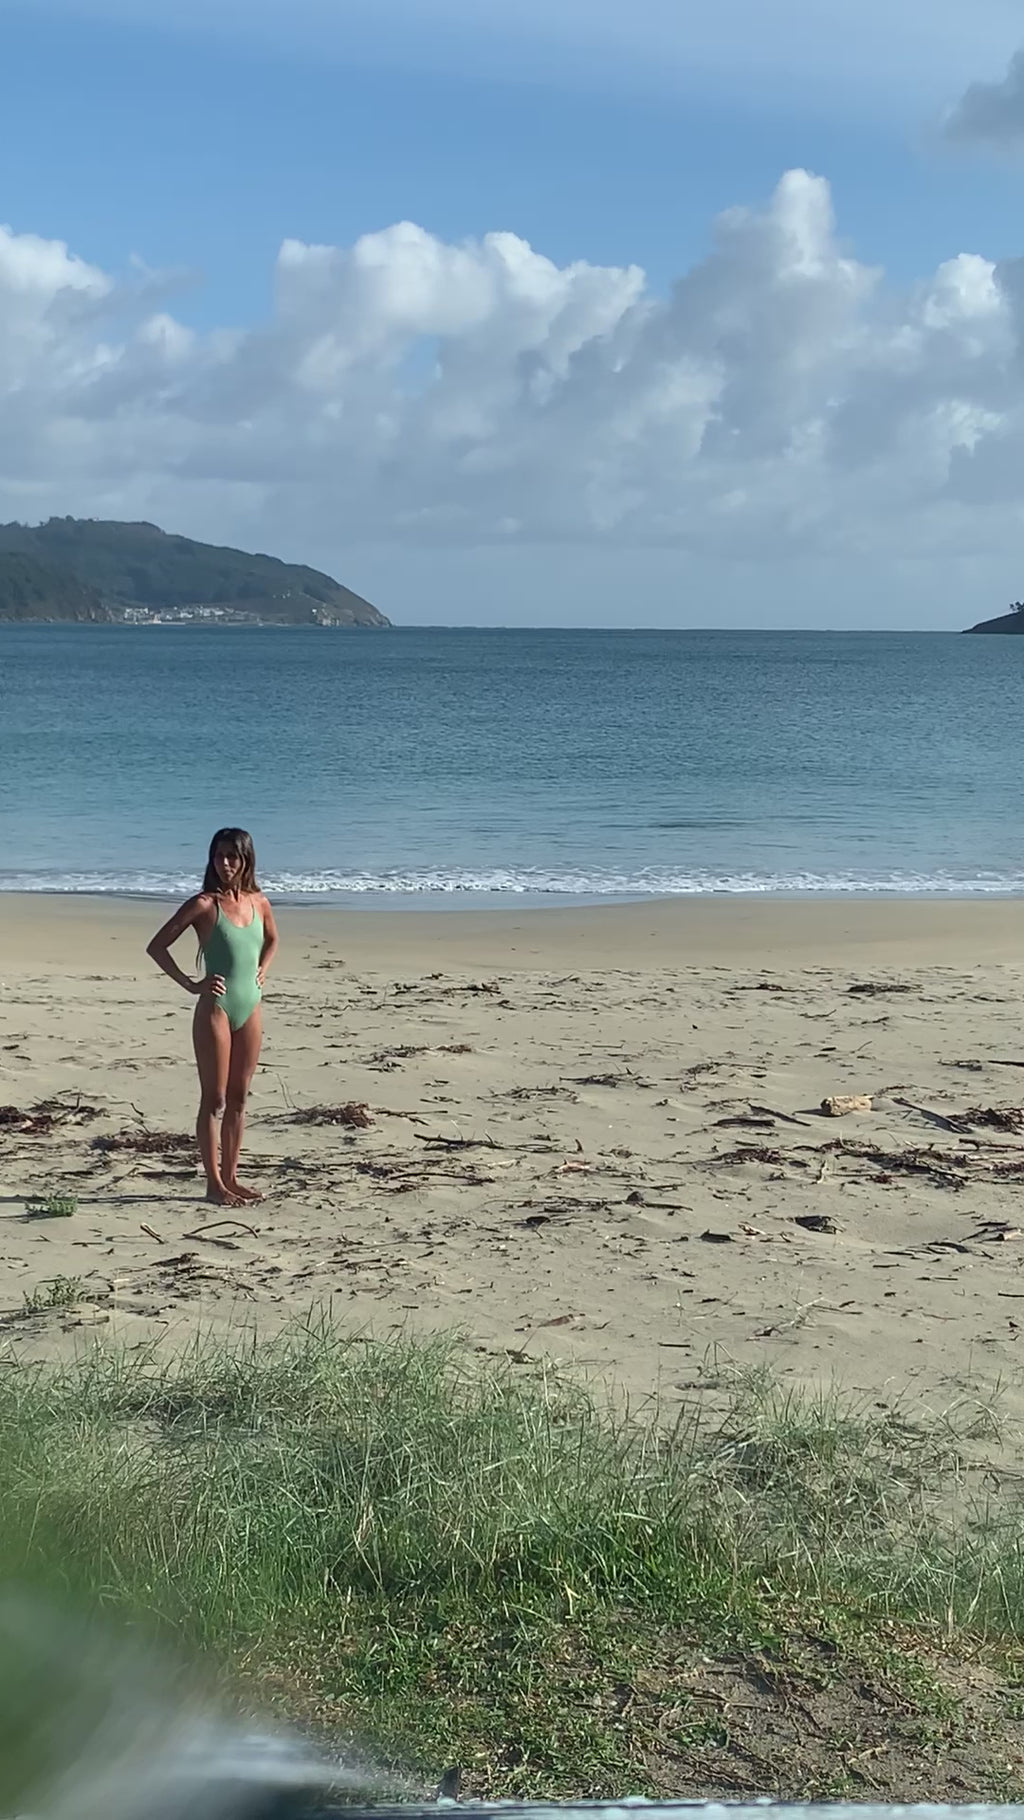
{"points": [[497, 884]]}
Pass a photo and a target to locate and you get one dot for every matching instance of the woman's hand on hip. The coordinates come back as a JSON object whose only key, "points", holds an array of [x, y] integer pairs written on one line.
{"points": [[212, 987]]}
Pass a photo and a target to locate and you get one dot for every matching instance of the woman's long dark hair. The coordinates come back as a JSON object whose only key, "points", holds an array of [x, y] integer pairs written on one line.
{"points": [[237, 841]]}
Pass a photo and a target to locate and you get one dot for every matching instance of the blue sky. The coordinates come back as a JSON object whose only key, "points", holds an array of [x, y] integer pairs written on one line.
{"points": [[204, 150], [199, 137]]}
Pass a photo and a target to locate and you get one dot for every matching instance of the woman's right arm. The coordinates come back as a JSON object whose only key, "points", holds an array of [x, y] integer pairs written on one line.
{"points": [[163, 941]]}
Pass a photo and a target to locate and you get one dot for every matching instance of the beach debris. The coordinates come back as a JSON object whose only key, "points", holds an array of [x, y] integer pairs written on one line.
{"points": [[599, 1080], [995, 1232], [147, 1143], [711, 1237], [945, 1121], [815, 1222], [52, 1207], [840, 1105], [995, 1118], [537, 1093], [748, 1121], [211, 1234], [390, 1058], [391, 1177], [41, 1119], [455, 1143], [943, 1166], [64, 1107], [403, 1052], [150, 1232], [751, 1153], [637, 1199], [354, 1114], [770, 1112], [872, 988]]}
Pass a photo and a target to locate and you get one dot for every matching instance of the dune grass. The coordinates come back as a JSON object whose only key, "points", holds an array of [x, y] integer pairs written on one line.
{"points": [[458, 1563]]}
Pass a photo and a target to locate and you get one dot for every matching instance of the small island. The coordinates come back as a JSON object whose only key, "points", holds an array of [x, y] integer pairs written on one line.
{"points": [[85, 571], [1013, 621]]}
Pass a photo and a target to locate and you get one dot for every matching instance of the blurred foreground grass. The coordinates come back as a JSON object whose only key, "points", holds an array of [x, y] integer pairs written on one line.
{"points": [[435, 1562]]}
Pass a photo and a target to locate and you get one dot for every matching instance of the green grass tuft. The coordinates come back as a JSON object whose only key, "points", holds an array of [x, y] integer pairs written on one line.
{"points": [[58, 1292], [52, 1207], [482, 1566]]}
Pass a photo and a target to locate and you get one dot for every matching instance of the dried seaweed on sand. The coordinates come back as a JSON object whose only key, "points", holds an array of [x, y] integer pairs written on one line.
{"points": [[147, 1143], [46, 1116], [354, 1114]]}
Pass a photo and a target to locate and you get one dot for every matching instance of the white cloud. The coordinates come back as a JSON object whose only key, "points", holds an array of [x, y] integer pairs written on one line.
{"points": [[782, 405], [991, 113]]}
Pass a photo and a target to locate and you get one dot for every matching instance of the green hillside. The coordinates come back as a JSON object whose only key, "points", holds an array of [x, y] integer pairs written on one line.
{"points": [[35, 590], [93, 569]]}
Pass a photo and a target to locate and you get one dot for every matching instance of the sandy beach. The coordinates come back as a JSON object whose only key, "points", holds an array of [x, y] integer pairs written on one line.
{"points": [[590, 1135]]}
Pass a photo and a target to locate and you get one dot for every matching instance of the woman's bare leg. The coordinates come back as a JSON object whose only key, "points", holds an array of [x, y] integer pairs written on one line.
{"points": [[245, 1053], [211, 1037]]}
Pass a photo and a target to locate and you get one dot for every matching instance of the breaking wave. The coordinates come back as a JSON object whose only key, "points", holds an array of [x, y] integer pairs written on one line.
{"points": [[498, 884]]}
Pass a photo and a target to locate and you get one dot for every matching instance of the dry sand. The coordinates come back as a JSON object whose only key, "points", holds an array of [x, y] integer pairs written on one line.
{"points": [[595, 1137]]}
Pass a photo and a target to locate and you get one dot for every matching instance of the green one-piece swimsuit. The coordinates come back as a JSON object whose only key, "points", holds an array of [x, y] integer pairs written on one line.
{"points": [[234, 953]]}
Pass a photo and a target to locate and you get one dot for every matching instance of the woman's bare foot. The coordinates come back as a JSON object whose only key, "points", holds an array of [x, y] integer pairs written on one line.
{"points": [[248, 1196], [223, 1196]]}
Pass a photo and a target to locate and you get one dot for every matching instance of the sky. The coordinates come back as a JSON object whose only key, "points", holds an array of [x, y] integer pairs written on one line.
{"points": [[574, 312]]}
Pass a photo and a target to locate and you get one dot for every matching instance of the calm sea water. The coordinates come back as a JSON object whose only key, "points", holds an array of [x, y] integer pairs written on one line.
{"points": [[488, 763]]}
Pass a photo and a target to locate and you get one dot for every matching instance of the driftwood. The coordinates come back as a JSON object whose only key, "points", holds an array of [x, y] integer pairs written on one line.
{"points": [[457, 1143], [788, 1118], [201, 1232], [748, 1122]]}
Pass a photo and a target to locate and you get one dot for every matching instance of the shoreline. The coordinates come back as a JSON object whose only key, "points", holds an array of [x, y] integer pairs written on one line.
{"points": [[638, 935]]}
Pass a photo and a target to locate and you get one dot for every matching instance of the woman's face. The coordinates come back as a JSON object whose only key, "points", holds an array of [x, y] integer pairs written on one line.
{"points": [[228, 866]]}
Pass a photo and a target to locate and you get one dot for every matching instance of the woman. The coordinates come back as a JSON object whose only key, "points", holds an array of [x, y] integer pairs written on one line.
{"points": [[237, 940]]}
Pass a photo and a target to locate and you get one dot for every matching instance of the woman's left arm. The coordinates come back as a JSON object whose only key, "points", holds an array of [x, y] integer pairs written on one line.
{"points": [[270, 941]]}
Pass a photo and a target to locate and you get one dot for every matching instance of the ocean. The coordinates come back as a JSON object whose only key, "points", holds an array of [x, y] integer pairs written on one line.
{"points": [[482, 767]]}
